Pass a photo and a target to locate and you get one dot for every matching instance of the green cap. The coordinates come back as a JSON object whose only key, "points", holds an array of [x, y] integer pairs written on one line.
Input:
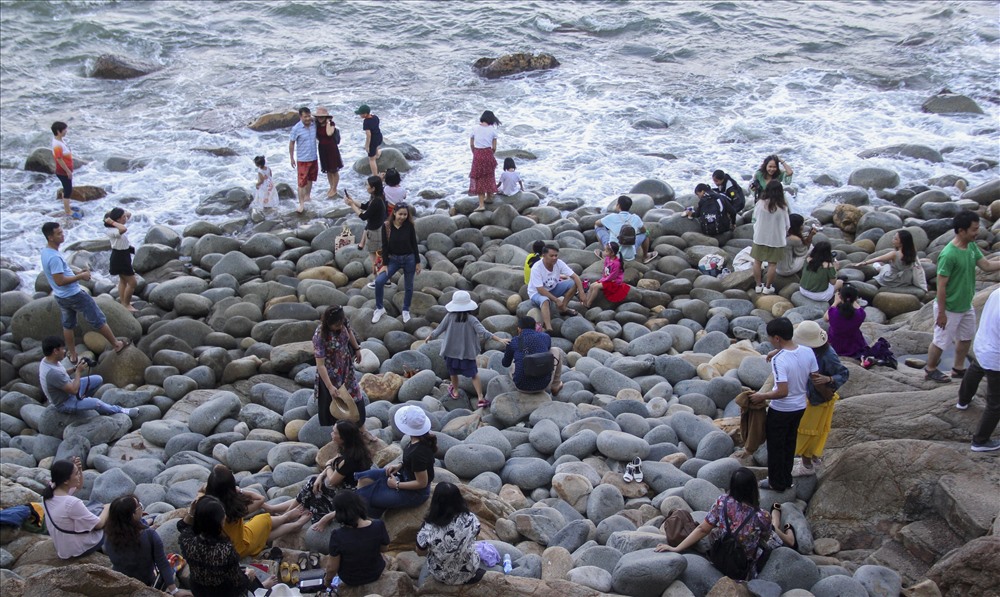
{"points": [[363, 109]]}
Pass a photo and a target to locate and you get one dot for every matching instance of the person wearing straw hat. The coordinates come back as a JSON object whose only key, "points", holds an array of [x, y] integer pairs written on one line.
{"points": [[821, 396], [462, 333], [330, 161], [337, 391], [406, 484]]}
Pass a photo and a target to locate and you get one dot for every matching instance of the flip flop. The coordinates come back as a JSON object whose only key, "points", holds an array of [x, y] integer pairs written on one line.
{"points": [[651, 257], [570, 312], [453, 392], [125, 344], [482, 403], [74, 360], [284, 572]]}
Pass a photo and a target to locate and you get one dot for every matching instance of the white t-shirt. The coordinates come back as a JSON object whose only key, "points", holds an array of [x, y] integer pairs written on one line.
{"points": [[509, 182], [484, 135], [70, 514], [542, 277], [394, 195], [793, 367], [770, 228], [119, 241], [987, 344]]}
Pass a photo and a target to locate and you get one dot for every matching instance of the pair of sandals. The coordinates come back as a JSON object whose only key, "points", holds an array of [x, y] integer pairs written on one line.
{"points": [[633, 471]]}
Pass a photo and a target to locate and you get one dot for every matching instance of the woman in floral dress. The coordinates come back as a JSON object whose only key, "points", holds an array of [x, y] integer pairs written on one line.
{"points": [[336, 346]]}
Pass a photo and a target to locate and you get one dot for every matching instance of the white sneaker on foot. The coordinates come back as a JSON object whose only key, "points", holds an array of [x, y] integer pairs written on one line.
{"points": [[371, 284], [406, 316], [377, 315], [759, 289], [961, 406], [769, 290]]}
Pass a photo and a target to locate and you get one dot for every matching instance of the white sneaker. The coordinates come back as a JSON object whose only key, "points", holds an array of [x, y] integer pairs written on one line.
{"points": [[377, 315], [759, 289], [406, 316], [961, 406], [769, 290], [371, 284]]}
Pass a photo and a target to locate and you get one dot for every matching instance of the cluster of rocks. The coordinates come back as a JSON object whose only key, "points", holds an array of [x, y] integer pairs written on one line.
{"points": [[222, 371]]}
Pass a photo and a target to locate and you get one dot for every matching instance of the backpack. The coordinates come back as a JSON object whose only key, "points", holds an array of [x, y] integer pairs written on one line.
{"points": [[626, 236], [727, 555], [539, 364], [737, 199], [678, 526], [713, 220], [881, 353]]}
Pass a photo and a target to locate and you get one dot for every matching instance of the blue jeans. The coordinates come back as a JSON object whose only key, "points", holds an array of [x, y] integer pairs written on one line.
{"points": [[407, 263], [83, 401], [557, 291], [80, 302], [380, 497]]}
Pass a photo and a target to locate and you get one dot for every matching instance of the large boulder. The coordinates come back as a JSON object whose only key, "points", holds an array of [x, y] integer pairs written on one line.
{"points": [[907, 150], [41, 160], [227, 201], [83, 580], [109, 66], [645, 573], [388, 158], [510, 64], [947, 102], [42, 317], [972, 570], [873, 178], [273, 121]]}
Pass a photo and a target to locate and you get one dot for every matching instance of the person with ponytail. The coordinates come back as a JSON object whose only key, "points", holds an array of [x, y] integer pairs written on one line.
{"points": [[406, 484], [75, 530], [612, 282], [845, 319], [373, 213], [134, 548]]}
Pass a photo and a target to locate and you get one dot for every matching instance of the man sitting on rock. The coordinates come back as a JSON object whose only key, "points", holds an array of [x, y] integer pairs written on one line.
{"points": [[609, 229], [552, 281], [527, 352], [71, 396], [70, 297]]}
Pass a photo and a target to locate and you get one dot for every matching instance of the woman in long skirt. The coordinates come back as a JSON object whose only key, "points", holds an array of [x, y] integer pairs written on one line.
{"points": [[483, 177]]}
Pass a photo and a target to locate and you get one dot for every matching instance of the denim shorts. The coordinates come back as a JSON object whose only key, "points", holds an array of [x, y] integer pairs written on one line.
{"points": [[80, 302], [560, 289]]}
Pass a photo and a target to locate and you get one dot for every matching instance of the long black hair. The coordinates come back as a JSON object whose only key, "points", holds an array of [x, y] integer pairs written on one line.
{"points": [[615, 248], [795, 222], [848, 296], [447, 504], [122, 529], [743, 487], [821, 253], [209, 514], [354, 449], [378, 190], [907, 247], [60, 472], [774, 193], [221, 485], [350, 508], [763, 167]]}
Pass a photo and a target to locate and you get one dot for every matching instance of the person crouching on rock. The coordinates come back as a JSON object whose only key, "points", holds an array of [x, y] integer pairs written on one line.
{"points": [[462, 332], [72, 395], [537, 365], [406, 484]]}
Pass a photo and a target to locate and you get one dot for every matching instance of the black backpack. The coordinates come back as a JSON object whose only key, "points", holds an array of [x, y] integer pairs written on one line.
{"points": [[727, 554], [737, 199], [713, 220], [626, 236]]}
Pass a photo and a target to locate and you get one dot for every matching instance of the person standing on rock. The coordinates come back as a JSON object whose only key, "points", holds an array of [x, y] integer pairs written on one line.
{"points": [[121, 255], [72, 395], [954, 316], [70, 296], [791, 366], [609, 228], [373, 136], [373, 213], [330, 161], [302, 147], [483, 142], [527, 353], [768, 172], [821, 394], [546, 285], [336, 349], [986, 363], [63, 157], [770, 229], [400, 251]]}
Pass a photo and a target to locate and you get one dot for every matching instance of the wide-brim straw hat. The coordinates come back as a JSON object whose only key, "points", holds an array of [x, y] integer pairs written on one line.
{"points": [[461, 301], [321, 111], [342, 405], [412, 421], [808, 333]]}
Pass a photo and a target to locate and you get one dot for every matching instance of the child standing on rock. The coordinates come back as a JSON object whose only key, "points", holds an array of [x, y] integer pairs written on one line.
{"points": [[265, 195], [462, 333]]}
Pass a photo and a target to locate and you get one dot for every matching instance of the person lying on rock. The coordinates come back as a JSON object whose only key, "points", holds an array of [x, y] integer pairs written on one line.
{"points": [[526, 356], [72, 395]]}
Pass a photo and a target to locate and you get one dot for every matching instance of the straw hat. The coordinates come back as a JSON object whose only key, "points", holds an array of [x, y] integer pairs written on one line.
{"points": [[808, 333], [342, 405], [412, 421], [321, 111], [461, 301]]}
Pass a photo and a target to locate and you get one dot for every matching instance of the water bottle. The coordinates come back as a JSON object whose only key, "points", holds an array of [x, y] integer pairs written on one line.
{"points": [[506, 563]]}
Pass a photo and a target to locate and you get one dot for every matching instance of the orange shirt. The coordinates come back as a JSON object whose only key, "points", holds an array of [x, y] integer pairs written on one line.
{"points": [[62, 153]]}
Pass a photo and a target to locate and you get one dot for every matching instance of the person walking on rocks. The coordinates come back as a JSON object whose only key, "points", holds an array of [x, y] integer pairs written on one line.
{"points": [[821, 395], [769, 235], [63, 157], [399, 248], [330, 161], [373, 136], [336, 349], [986, 362], [626, 229], [462, 333], [70, 296], [483, 142], [373, 213], [302, 147], [791, 367], [537, 365], [121, 255], [954, 316], [72, 395], [546, 286]]}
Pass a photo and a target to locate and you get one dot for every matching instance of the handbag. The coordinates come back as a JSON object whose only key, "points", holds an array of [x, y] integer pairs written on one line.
{"points": [[345, 239], [539, 364], [678, 526]]}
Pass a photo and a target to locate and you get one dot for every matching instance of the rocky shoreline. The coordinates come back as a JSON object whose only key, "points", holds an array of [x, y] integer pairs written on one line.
{"points": [[222, 371]]}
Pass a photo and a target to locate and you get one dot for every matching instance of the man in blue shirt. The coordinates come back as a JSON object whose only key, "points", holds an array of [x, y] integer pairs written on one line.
{"points": [[302, 146], [609, 228], [70, 297], [530, 342]]}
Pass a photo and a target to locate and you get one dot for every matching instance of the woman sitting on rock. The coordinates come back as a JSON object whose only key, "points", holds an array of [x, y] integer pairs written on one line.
{"points": [[319, 490], [406, 484], [337, 349], [739, 512], [135, 549], [798, 247], [448, 538], [821, 392], [899, 267], [249, 537], [819, 277], [75, 530], [845, 318], [210, 555], [356, 547]]}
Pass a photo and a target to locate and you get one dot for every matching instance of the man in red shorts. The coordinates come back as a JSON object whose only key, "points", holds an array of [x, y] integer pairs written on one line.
{"points": [[302, 146]]}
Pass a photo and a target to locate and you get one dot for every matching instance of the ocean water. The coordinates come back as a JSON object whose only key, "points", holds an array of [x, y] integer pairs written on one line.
{"points": [[814, 82]]}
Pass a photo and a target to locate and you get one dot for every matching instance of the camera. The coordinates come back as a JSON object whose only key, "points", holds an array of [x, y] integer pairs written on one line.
{"points": [[88, 361]]}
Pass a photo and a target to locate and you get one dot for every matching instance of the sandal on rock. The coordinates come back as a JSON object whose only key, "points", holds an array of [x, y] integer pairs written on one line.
{"points": [[936, 375], [284, 572], [125, 344], [957, 373], [651, 257], [482, 403], [453, 392], [569, 312]]}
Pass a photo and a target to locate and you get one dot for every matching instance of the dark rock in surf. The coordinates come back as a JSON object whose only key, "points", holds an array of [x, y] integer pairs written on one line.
{"points": [[273, 121], [109, 66], [41, 160], [222, 152], [907, 150], [947, 102], [512, 64]]}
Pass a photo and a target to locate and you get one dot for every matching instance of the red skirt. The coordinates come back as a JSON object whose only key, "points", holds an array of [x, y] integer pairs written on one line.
{"points": [[614, 291], [483, 177]]}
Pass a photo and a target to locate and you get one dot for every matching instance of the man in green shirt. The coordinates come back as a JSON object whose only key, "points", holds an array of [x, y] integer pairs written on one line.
{"points": [[954, 317]]}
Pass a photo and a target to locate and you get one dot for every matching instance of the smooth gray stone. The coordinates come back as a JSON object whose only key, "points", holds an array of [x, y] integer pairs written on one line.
{"points": [[604, 501], [879, 580], [839, 586], [611, 525], [790, 570], [645, 573]]}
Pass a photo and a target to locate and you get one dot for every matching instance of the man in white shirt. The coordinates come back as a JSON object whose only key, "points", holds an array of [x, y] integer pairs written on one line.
{"points": [[609, 228], [791, 367], [552, 281], [986, 347]]}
